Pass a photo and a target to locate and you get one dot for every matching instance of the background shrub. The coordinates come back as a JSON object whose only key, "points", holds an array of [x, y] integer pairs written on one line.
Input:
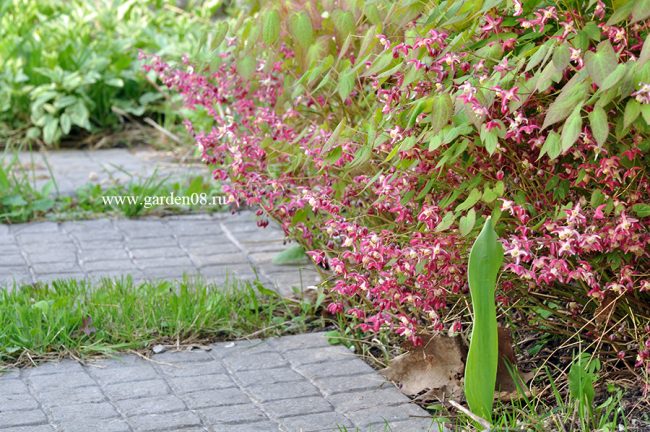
{"points": [[70, 66], [381, 135]]}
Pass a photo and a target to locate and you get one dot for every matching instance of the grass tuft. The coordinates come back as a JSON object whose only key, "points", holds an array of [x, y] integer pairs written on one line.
{"points": [[80, 319]]}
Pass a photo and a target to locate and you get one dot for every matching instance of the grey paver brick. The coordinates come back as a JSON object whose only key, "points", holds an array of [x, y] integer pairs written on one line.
{"points": [[381, 414], [415, 424], [150, 405], [148, 388], [12, 386], [269, 392], [316, 422], [331, 353], [192, 369], [55, 367], [183, 356], [56, 267], [298, 342], [293, 407], [91, 424], [16, 402], [264, 426], [358, 400], [213, 398], [101, 255], [162, 252], [182, 262], [33, 428], [165, 421], [69, 396], [345, 384], [23, 418], [244, 413], [67, 381], [268, 376], [334, 368], [124, 265], [112, 373], [99, 410], [203, 382], [255, 361]]}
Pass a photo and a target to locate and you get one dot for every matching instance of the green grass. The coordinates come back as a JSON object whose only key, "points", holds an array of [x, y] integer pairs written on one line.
{"points": [[76, 318]]}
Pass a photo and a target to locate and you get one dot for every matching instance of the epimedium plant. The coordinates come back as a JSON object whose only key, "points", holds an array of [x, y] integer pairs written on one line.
{"points": [[381, 136]]}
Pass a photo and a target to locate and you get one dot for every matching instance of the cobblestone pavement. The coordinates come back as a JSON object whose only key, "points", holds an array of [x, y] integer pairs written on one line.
{"points": [[211, 246], [292, 383], [72, 169]]}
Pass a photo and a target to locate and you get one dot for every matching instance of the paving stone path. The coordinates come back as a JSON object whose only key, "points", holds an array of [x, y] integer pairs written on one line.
{"points": [[213, 247], [293, 383]]}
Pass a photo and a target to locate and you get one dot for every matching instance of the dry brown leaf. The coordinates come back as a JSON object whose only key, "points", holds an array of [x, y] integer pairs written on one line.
{"points": [[435, 370], [432, 371]]}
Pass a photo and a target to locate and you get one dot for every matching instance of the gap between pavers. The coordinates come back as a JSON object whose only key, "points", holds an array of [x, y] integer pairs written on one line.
{"points": [[291, 384]]}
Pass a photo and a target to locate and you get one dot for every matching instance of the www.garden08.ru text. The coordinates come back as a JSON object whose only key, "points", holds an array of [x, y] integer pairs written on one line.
{"points": [[148, 201]]}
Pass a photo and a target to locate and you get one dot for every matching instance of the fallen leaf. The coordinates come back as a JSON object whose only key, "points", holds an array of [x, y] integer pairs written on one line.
{"points": [[432, 371]]}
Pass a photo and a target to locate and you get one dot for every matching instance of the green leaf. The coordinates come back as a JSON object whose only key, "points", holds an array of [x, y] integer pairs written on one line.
{"points": [[552, 146], [641, 210], [442, 109], [571, 95], [344, 23], [271, 30], [301, 29], [489, 138], [346, 83], [293, 255], [66, 123], [561, 57], [632, 111], [615, 77], [466, 223], [115, 82], [473, 197], [485, 259], [49, 130], [599, 125], [446, 222], [571, 129], [601, 63]]}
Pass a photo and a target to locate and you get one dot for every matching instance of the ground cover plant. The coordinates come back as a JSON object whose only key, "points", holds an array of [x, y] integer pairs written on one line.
{"points": [[83, 319], [68, 67], [382, 135]]}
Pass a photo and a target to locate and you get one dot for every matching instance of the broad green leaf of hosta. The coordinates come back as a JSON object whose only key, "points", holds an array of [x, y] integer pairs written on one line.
{"points": [[485, 259]]}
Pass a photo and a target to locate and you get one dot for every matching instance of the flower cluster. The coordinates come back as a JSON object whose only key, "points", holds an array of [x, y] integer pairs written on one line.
{"points": [[436, 132]]}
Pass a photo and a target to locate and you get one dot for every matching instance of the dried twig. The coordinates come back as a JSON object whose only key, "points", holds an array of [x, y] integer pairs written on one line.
{"points": [[480, 420]]}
